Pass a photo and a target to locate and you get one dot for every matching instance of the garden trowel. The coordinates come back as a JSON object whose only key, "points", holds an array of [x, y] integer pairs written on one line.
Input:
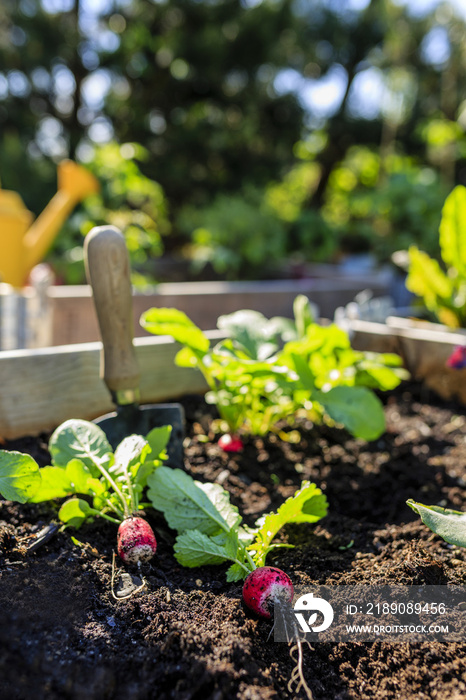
{"points": [[108, 273]]}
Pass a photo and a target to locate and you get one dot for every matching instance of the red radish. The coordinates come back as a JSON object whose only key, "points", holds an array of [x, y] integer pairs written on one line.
{"points": [[265, 587], [457, 359], [230, 443], [136, 541]]}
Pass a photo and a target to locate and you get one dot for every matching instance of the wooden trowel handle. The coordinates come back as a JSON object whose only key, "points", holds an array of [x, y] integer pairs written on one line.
{"points": [[108, 272]]}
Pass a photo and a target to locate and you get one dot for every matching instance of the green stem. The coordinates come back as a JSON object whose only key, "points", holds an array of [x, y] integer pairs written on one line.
{"points": [[121, 514], [104, 515], [115, 487], [130, 491], [250, 559], [203, 369], [243, 566]]}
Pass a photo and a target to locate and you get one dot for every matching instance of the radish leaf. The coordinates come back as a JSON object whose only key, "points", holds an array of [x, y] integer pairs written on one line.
{"points": [[128, 451], [158, 438], [452, 231], [74, 512], [79, 439], [448, 524], [184, 503], [54, 483], [79, 477], [306, 506], [220, 499], [357, 408], [235, 573], [163, 321], [19, 476], [194, 548]]}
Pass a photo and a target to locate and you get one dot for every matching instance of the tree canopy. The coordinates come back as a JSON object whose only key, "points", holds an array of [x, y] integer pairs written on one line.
{"points": [[230, 97]]}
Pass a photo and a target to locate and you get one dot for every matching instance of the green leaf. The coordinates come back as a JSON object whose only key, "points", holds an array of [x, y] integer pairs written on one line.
{"points": [[251, 331], [427, 280], [183, 502], [195, 548], [380, 377], [144, 471], [236, 572], [55, 483], [186, 358], [304, 372], [356, 407], [74, 512], [95, 487], [158, 439], [173, 322], [81, 480], [308, 505], [19, 476], [79, 439], [128, 451], [388, 359], [303, 314], [453, 230], [448, 524], [220, 499]]}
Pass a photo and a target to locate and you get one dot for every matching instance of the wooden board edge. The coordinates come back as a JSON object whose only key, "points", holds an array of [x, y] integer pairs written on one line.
{"points": [[39, 389]]}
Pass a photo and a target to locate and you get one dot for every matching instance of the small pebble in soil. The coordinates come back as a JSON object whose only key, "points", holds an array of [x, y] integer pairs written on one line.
{"points": [[127, 584]]}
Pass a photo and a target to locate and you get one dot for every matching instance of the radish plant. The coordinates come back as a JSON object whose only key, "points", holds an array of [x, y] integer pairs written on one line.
{"points": [[95, 481], [267, 370], [239, 372], [210, 532], [210, 529]]}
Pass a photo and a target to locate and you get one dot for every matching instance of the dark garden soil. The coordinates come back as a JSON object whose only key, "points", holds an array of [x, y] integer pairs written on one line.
{"points": [[63, 635]]}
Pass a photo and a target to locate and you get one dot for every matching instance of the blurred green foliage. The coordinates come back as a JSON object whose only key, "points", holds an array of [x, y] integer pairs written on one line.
{"points": [[236, 234], [128, 200], [216, 94], [393, 203], [442, 288]]}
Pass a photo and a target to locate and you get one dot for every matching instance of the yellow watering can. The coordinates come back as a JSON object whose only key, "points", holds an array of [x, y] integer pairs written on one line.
{"points": [[24, 243]]}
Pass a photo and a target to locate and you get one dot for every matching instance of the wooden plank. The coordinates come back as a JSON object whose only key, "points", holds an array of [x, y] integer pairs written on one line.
{"points": [[373, 337], [424, 347], [431, 339], [74, 321], [41, 388]]}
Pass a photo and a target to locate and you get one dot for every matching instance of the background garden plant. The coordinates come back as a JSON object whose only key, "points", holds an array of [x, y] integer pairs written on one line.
{"points": [[231, 107], [270, 369], [443, 289]]}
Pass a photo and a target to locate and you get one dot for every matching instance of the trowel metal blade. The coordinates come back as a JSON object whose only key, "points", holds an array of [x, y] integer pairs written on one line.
{"points": [[139, 420]]}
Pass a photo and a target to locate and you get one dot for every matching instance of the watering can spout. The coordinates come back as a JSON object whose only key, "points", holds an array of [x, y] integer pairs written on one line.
{"points": [[23, 244]]}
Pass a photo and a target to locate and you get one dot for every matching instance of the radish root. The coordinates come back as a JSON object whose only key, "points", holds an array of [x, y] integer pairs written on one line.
{"points": [[297, 677], [294, 637]]}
